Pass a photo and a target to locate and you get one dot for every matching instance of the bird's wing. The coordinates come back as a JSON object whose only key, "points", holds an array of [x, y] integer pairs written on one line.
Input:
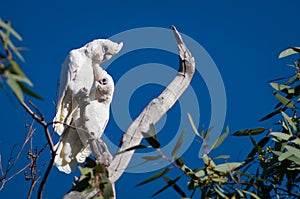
{"points": [[66, 150], [69, 71]]}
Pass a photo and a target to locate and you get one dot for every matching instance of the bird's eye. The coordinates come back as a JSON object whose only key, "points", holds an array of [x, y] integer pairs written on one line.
{"points": [[104, 49], [104, 81]]}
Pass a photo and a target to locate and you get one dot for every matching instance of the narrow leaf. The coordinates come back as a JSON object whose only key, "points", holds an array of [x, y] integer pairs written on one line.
{"points": [[280, 87], [288, 52], [281, 136], [247, 132], [220, 140], [288, 103], [289, 120], [251, 194], [156, 157], [29, 92], [178, 144], [227, 167], [293, 150], [16, 88], [133, 148], [158, 175], [220, 193], [12, 31], [284, 156], [268, 116], [170, 184], [222, 157], [193, 125], [152, 140]]}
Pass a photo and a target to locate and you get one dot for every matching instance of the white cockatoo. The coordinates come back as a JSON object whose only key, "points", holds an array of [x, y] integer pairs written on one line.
{"points": [[82, 136], [78, 72]]}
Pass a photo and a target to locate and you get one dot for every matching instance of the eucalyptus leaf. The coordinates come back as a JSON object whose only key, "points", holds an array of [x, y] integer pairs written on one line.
{"points": [[152, 140], [289, 120], [280, 87], [285, 101], [227, 167], [288, 52], [193, 125], [281, 136], [12, 31], [220, 140], [13, 84], [247, 132], [284, 156], [154, 177], [178, 144], [293, 150], [156, 157]]}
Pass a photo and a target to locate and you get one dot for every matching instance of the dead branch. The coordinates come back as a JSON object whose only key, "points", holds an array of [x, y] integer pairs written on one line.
{"points": [[151, 114], [155, 109]]}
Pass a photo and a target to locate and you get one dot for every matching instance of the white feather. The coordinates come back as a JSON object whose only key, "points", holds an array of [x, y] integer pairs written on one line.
{"points": [[88, 123], [78, 72]]}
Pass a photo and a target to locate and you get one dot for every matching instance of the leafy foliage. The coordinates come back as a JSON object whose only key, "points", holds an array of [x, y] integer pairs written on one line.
{"points": [[94, 177], [9, 68], [271, 169]]}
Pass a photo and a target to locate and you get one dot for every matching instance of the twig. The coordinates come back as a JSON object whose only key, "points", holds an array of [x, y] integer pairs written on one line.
{"points": [[43, 123]]}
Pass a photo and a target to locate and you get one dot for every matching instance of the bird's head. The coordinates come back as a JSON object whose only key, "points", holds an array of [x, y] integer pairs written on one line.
{"points": [[104, 87], [101, 50]]}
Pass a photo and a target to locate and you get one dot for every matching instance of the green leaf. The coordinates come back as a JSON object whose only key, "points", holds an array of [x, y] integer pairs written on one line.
{"points": [[289, 120], [12, 31], [193, 125], [217, 189], [260, 144], [280, 87], [293, 150], [171, 183], [220, 140], [178, 144], [222, 157], [156, 157], [247, 132], [277, 111], [288, 52], [227, 167], [288, 103], [140, 146], [281, 136], [30, 92], [200, 173], [284, 156], [251, 194], [152, 140], [13, 84], [174, 185], [152, 131], [156, 176]]}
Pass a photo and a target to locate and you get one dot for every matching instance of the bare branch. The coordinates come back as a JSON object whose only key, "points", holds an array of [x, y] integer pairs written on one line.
{"points": [[41, 121], [155, 109]]}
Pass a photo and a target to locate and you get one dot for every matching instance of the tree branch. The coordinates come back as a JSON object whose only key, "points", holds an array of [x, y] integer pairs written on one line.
{"points": [[155, 109]]}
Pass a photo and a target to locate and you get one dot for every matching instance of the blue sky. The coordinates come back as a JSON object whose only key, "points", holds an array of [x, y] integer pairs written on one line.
{"points": [[243, 38]]}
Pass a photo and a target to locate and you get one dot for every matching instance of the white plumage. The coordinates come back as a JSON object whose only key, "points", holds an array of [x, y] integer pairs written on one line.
{"points": [[88, 123], [77, 72], [82, 112]]}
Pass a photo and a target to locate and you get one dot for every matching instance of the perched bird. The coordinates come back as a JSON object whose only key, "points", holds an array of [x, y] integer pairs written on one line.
{"points": [[89, 120], [78, 72]]}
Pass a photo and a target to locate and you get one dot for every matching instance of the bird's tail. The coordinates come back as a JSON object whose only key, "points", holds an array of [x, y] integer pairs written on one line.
{"points": [[66, 151]]}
